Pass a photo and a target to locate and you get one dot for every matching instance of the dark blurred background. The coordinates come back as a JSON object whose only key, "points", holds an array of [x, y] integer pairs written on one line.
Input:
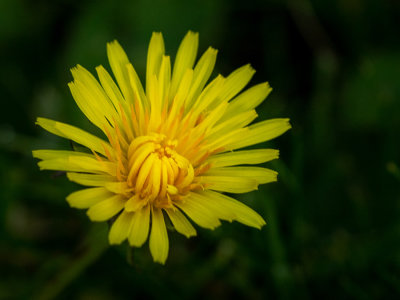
{"points": [[333, 218]]}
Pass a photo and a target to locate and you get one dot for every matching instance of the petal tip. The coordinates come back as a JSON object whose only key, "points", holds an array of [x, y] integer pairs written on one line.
{"points": [[135, 243], [112, 43], [89, 213], [160, 261], [113, 241]]}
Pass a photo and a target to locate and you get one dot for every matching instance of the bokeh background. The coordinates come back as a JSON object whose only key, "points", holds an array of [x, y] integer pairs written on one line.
{"points": [[333, 218]]}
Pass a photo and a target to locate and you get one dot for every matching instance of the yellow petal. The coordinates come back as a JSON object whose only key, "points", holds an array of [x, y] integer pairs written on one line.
{"points": [[229, 184], [234, 83], [120, 228], [158, 238], [54, 154], [154, 56], [213, 116], [181, 223], [248, 100], [245, 157], [184, 59], [220, 211], [79, 93], [137, 87], [106, 209], [134, 203], [241, 212], [90, 179], [238, 121], [258, 133], [77, 135], [155, 178], [154, 100], [164, 80], [201, 74], [93, 93], [79, 164], [110, 88], [140, 227], [261, 175], [118, 187], [181, 95], [88, 197], [118, 62], [145, 171], [208, 95], [200, 214]]}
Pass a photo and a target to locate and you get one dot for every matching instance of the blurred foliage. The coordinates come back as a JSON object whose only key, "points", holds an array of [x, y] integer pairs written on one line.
{"points": [[333, 218]]}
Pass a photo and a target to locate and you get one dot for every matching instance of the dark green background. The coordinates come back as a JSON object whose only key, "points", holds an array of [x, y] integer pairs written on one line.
{"points": [[333, 218]]}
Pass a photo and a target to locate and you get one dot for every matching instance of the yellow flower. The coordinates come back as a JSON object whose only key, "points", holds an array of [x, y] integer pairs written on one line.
{"points": [[170, 149]]}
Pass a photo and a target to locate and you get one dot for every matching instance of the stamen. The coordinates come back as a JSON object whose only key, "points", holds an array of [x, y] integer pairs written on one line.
{"points": [[156, 171]]}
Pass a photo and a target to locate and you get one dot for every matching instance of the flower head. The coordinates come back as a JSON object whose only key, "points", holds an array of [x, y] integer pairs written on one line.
{"points": [[170, 150]]}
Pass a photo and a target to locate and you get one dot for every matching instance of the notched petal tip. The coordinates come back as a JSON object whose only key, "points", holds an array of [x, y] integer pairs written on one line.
{"points": [[262, 224], [160, 261], [41, 120], [75, 70], [120, 228], [212, 50], [114, 242], [99, 68], [286, 125], [41, 166], [36, 153], [249, 67], [277, 153], [190, 235], [267, 87], [90, 214], [158, 243], [191, 32], [113, 43]]}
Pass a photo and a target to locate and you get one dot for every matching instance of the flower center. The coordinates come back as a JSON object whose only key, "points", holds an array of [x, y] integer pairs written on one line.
{"points": [[157, 173]]}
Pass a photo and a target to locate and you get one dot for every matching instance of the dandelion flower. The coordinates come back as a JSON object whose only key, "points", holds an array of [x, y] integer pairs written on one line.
{"points": [[169, 150]]}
